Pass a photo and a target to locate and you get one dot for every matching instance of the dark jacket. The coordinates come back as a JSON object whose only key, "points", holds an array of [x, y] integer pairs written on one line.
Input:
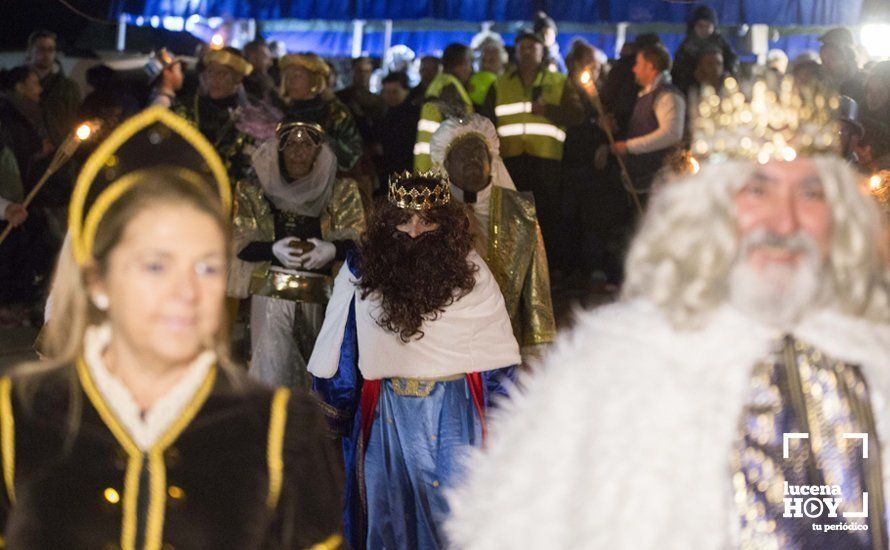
{"points": [[217, 120], [60, 102], [877, 130], [24, 137], [619, 94], [397, 135], [214, 480], [686, 57], [339, 125]]}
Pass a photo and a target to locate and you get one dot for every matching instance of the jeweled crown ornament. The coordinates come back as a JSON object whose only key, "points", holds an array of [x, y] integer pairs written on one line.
{"points": [[767, 122], [419, 198], [298, 130]]}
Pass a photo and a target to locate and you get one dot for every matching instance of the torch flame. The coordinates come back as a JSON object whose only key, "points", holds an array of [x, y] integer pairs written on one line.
{"points": [[83, 132], [876, 182], [217, 41], [585, 77]]}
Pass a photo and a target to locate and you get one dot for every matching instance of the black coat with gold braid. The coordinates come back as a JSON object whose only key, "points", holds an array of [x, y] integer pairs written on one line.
{"points": [[243, 467]]}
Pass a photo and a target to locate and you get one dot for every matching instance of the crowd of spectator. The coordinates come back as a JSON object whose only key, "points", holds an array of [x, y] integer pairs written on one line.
{"points": [[555, 143]]}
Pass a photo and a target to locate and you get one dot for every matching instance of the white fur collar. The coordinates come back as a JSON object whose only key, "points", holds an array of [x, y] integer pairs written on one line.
{"points": [[622, 438], [145, 430]]}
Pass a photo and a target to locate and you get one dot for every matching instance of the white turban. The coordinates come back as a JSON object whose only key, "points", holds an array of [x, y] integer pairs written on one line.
{"points": [[453, 128]]}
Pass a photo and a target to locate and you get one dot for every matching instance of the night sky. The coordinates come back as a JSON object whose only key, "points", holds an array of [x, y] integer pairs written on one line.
{"points": [[19, 17]]}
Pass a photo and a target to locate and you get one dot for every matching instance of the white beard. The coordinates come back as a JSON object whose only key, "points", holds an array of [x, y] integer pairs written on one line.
{"points": [[777, 294]]}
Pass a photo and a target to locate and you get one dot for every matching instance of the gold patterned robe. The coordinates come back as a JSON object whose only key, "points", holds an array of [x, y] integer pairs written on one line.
{"points": [[342, 219], [218, 121], [517, 258], [801, 390]]}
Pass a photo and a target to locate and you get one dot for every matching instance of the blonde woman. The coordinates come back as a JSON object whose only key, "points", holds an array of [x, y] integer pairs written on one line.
{"points": [[138, 433]]}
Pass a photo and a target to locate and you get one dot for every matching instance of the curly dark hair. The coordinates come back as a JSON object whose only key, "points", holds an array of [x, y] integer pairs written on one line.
{"points": [[415, 278]]}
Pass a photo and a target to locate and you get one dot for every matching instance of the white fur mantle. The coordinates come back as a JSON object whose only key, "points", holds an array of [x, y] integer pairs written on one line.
{"points": [[622, 439]]}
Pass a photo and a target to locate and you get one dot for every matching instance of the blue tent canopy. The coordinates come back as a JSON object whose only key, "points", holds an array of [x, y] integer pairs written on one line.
{"points": [[429, 25], [732, 12]]}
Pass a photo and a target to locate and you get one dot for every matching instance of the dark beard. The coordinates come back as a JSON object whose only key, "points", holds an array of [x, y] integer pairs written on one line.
{"points": [[406, 245], [415, 278]]}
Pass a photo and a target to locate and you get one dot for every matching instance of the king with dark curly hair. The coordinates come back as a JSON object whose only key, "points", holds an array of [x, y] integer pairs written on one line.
{"points": [[416, 341], [420, 268]]}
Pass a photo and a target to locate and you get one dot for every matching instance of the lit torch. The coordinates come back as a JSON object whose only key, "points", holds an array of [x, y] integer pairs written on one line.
{"points": [[879, 186], [589, 87], [83, 132], [63, 155]]}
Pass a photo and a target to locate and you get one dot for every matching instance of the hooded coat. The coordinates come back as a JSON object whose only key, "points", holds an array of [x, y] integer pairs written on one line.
{"points": [[686, 57]]}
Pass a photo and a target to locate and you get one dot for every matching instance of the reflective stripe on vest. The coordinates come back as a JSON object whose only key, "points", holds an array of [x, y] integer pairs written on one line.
{"points": [[532, 129], [513, 108], [521, 131], [429, 122], [430, 126], [431, 117]]}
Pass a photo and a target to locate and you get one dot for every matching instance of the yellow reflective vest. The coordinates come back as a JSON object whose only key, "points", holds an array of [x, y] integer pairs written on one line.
{"points": [[521, 131], [431, 117]]}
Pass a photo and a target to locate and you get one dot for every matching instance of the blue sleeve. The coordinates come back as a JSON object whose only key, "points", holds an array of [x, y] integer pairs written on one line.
{"points": [[342, 392], [498, 383], [340, 395]]}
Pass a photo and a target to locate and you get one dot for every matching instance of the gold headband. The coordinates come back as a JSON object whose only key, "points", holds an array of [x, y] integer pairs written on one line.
{"points": [[230, 60], [419, 198], [285, 129], [153, 141], [310, 62]]}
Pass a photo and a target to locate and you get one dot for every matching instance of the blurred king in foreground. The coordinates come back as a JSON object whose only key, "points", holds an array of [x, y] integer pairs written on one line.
{"points": [[736, 397]]}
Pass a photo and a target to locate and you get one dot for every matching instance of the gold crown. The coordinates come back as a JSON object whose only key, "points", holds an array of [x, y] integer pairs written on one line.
{"points": [[771, 122], [419, 198]]}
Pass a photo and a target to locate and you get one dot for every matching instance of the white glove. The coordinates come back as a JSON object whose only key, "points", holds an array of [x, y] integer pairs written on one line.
{"points": [[289, 257], [320, 256]]}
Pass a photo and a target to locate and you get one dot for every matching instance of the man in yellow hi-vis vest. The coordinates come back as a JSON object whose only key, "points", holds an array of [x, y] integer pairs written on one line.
{"points": [[448, 89], [531, 107]]}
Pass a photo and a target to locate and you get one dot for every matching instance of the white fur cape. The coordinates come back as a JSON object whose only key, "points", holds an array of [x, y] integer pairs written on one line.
{"points": [[622, 439]]}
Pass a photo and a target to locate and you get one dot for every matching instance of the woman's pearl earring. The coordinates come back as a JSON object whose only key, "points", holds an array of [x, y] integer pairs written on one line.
{"points": [[101, 302]]}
